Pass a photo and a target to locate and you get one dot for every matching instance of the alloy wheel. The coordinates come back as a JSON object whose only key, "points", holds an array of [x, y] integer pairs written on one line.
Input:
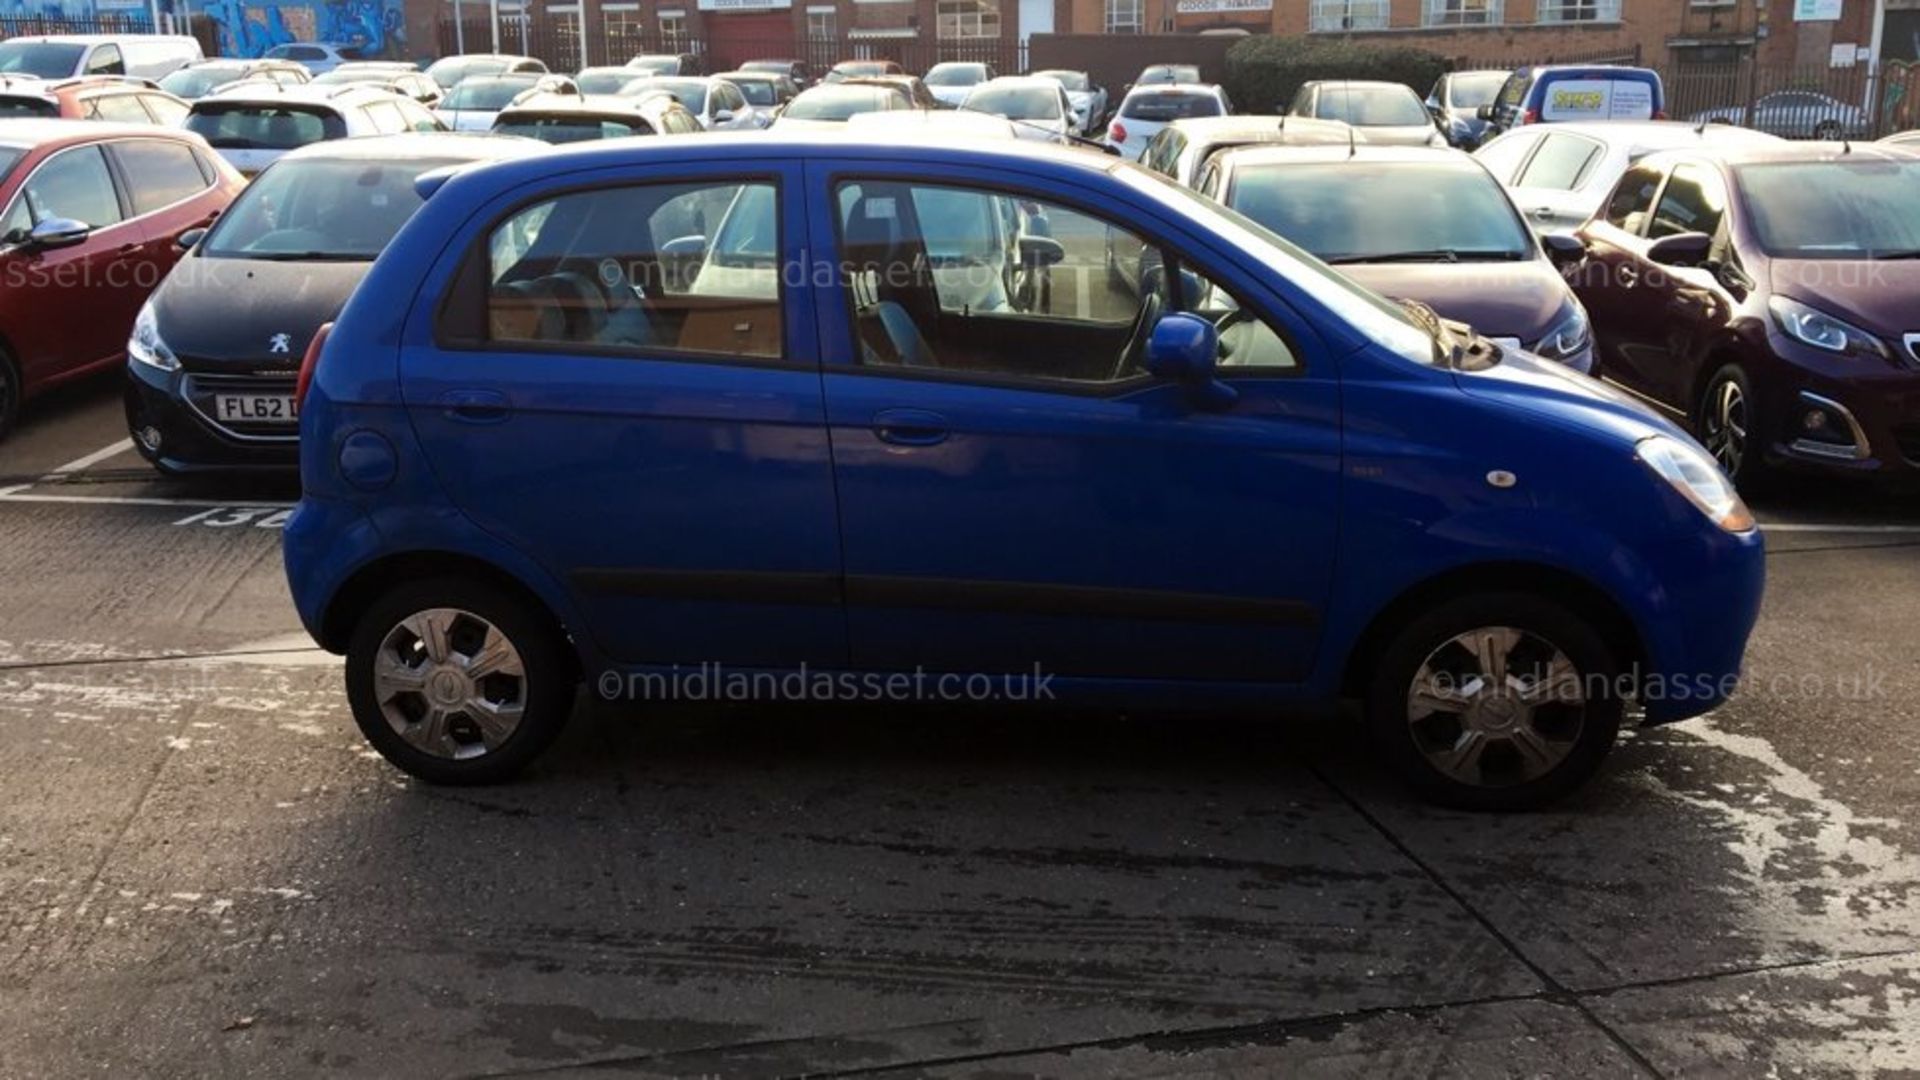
{"points": [[1723, 424], [1496, 706], [450, 683]]}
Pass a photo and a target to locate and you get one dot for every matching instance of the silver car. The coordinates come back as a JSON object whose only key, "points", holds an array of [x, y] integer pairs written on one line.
{"points": [[1390, 114], [1795, 114]]}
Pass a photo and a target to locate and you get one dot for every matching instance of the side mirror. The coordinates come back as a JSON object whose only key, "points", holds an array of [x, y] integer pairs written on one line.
{"points": [[1484, 112], [1184, 348], [1563, 250], [684, 247], [1041, 251], [58, 233], [186, 240], [1683, 249], [724, 116]]}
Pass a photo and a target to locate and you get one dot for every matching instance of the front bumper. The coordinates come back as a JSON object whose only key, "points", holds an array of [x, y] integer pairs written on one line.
{"points": [[172, 423], [1868, 410], [1708, 599]]}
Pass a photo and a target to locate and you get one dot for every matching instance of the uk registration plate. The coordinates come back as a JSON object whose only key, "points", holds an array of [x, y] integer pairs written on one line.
{"points": [[256, 407]]}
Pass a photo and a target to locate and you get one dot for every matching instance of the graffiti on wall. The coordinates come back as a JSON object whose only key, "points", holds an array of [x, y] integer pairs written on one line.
{"points": [[374, 28]]}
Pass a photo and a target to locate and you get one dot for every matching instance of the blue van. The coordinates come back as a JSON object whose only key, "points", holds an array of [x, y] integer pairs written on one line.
{"points": [[750, 406], [1563, 93]]}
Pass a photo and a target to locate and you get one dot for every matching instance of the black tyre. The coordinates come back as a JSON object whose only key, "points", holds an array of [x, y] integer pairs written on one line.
{"points": [[1827, 131], [1502, 701], [1725, 420], [10, 392], [457, 682]]}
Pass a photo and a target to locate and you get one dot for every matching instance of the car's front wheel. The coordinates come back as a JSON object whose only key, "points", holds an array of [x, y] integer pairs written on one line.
{"points": [[1496, 702], [458, 682], [10, 395], [1725, 421]]}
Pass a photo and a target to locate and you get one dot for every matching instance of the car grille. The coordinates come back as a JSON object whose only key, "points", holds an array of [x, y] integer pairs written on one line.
{"points": [[200, 391], [1908, 436]]}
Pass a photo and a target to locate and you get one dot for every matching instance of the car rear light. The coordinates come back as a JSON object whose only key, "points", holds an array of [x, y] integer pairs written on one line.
{"points": [[1532, 117], [1117, 132], [308, 362]]}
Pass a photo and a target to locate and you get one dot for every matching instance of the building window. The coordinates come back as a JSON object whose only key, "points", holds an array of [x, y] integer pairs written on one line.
{"points": [[673, 31], [969, 19], [1125, 16], [1336, 15], [1564, 11], [1464, 12], [821, 25]]}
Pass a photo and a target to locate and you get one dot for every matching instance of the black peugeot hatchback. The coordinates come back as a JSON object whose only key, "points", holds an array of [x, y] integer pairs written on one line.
{"points": [[214, 354]]}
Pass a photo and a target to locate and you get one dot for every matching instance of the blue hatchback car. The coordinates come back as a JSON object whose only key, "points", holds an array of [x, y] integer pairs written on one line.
{"points": [[755, 404]]}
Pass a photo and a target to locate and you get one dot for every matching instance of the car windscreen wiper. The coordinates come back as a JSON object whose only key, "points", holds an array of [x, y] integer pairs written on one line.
{"points": [[1890, 256], [1446, 255]]}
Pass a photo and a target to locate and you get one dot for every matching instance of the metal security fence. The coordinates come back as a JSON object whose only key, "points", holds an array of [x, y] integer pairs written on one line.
{"points": [[131, 22]]}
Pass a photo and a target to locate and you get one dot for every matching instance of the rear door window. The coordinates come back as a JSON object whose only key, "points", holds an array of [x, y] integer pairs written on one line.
{"points": [[1695, 201], [159, 173], [1632, 199], [1560, 164]]}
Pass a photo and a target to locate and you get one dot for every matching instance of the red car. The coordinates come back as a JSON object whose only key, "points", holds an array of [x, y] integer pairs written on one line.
{"points": [[93, 213], [95, 97]]}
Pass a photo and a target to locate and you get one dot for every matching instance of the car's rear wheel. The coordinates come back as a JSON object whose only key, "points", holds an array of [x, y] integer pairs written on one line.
{"points": [[1725, 421], [1827, 131], [10, 395], [1495, 702], [457, 682]]}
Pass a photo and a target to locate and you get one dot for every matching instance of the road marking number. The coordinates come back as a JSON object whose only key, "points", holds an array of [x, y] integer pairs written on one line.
{"points": [[227, 517]]}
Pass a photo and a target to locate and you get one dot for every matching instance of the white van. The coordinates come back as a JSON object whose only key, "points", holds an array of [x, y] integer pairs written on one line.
{"points": [[63, 56]]}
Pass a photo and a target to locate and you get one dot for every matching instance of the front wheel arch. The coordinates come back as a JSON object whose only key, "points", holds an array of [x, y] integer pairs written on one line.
{"points": [[1577, 594]]}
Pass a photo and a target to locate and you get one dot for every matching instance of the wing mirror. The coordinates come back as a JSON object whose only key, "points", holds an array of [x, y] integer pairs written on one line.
{"points": [[1184, 349], [1683, 249], [1563, 250], [1041, 251], [724, 116], [58, 233], [186, 240], [1484, 112]]}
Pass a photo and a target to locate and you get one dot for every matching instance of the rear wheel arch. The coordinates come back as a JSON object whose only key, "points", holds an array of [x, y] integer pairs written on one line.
{"points": [[358, 593], [1578, 595]]}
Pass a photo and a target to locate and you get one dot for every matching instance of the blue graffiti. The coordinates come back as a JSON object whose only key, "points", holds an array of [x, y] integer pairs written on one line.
{"points": [[373, 28]]}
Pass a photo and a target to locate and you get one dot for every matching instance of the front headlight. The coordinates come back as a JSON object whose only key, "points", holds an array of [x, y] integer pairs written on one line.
{"points": [[1569, 337], [145, 346], [1814, 327], [1696, 476]]}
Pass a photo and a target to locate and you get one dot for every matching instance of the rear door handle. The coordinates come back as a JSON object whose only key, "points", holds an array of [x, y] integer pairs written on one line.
{"points": [[1543, 213], [475, 406], [910, 427], [1629, 276]]}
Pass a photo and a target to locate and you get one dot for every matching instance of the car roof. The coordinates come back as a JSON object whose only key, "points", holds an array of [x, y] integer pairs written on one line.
{"points": [[1648, 135], [98, 39], [623, 107], [1783, 152], [271, 93], [28, 134], [1208, 127], [1175, 89], [1334, 153], [932, 122], [455, 145], [1022, 80], [751, 76], [1360, 84]]}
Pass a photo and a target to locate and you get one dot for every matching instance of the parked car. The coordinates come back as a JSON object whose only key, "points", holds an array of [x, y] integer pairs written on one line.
{"points": [[856, 69], [406, 82], [918, 96], [1389, 114], [1038, 107], [669, 64], [952, 81], [91, 214], [448, 71], [828, 105], [570, 118], [1904, 140], [1795, 114], [67, 56], [766, 93], [318, 57], [792, 69], [1168, 75], [1455, 102], [1427, 225], [1559, 175], [476, 99], [1180, 149], [1488, 550], [608, 80], [1147, 109], [1766, 293], [95, 97], [1089, 99], [197, 80], [1574, 93], [253, 127], [716, 103], [213, 354], [931, 124]]}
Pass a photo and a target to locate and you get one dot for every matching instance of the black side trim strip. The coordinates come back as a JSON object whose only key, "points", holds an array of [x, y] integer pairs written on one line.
{"points": [[949, 594]]}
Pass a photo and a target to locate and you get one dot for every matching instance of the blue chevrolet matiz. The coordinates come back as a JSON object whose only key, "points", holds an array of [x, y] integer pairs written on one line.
{"points": [[761, 405]]}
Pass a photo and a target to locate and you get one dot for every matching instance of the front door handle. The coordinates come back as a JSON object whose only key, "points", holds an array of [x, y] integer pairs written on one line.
{"points": [[1629, 275], [910, 427], [475, 406]]}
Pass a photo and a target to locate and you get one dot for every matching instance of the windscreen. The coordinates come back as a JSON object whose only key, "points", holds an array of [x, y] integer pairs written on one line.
{"points": [[46, 59], [1361, 211], [320, 210], [1834, 209]]}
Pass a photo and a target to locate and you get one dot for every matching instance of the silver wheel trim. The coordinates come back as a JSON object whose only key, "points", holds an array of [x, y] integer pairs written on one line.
{"points": [[1496, 706], [450, 683], [1724, 425]]}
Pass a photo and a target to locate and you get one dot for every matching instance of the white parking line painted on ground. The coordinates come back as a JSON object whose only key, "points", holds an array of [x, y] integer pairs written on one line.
{"points": [[92, 459], [1807, 527], [13, 495]]}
